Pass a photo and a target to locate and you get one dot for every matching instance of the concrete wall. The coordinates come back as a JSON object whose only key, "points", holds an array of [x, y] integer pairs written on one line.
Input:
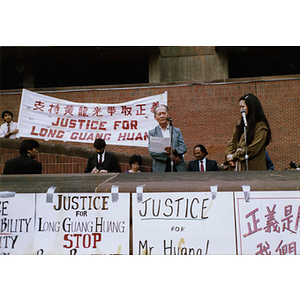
{"points": [[206, 112], [153, 182], [187, 63]]}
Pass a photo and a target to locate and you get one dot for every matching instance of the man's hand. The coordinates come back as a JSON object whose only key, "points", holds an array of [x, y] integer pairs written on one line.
{"points": [[95, 170], [176, 160], [168, 149]]}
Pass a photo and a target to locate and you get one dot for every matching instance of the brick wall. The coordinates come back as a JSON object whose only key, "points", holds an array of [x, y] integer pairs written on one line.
{"points": [[58, 164], [206, 113]]}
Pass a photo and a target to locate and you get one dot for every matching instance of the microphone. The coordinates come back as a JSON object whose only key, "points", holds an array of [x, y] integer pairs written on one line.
{"points": [[169, 119], [243, 112]]}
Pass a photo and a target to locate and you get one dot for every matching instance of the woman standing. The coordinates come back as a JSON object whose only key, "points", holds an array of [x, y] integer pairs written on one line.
{"points": [[258, 137]]}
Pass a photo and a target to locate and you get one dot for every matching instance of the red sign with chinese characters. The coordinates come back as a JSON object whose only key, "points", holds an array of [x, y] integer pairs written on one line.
{"points": [[269, 223]]}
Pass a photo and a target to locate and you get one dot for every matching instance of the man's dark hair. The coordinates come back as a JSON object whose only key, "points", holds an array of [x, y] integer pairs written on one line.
{"points": [[202, 148], [7, 112], [99, 144], [28, 145], [135, 158]]}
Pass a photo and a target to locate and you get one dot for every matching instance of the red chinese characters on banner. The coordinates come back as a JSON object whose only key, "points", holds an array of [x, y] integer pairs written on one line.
{"points": [[126, 110], [255, 221], [82, 112], [53, 108], [288, 218], [282, 249], [154, 105], [288, 223], [39, 105], [95, 111], [111, 110], [263, 249], [286, 248], [69, 110], [141, 110], [271, 223]]}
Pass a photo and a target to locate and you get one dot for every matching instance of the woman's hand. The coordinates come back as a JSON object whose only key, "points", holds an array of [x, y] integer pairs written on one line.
{"points": [[230, 160]]}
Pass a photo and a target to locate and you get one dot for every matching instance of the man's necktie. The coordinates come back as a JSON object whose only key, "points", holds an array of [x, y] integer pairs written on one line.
{"points": [[202, 167], [100, 160], [8, 128]]}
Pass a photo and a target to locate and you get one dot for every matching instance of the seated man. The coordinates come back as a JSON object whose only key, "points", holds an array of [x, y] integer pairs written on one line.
{"points": [[202, 163], [25, 163], [102, 161]]}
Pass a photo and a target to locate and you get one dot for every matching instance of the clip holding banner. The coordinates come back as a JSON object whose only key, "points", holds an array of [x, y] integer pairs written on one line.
{"points": [[214, 190], [246, 190], [49, 197], [139, 192], [7, 194], [114, 193]]}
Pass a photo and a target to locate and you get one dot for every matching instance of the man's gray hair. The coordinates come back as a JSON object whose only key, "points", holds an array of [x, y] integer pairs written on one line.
{"points": [[167, 108]]}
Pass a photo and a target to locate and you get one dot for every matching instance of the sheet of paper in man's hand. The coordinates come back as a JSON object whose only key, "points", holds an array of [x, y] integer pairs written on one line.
{"points": [[158, 144]]}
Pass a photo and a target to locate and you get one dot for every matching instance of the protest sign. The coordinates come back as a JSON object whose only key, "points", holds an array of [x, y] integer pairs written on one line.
{"points": [[17, 224], [183, 223], [49, 118], [82, 223], [268, 223]]}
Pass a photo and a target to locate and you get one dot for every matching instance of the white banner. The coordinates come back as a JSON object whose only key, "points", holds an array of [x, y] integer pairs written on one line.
{"points": [[268, 223], [124, 124], [183, 224]]}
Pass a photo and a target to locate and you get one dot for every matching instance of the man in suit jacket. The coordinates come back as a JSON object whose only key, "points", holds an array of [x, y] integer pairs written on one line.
{"points": [[102, 161], [162, 160], [25, 163], [207, 164]]}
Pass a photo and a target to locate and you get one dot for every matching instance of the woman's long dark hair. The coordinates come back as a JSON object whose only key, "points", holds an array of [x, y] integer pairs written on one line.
{"points": [[255, 115]]}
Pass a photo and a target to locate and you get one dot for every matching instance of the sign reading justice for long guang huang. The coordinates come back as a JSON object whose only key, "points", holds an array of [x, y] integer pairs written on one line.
{"points": [[71, 223], [82, 223], [49, 118]]}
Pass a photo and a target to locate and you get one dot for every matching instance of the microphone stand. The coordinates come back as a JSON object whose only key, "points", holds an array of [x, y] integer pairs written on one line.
{"points": [[171, 143], [246, 155]]}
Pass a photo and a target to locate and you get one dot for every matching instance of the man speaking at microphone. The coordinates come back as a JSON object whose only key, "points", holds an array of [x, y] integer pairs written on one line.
{"points": [[162, 160]]}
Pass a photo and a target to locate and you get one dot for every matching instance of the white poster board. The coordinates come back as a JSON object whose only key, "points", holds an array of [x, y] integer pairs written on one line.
{"points": [[82, 223], [268, 223], [183, 223], [125, 124], [17, 224]]}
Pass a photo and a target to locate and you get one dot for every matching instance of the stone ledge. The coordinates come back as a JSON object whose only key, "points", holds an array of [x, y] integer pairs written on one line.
{"points": [[153, 182]]}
